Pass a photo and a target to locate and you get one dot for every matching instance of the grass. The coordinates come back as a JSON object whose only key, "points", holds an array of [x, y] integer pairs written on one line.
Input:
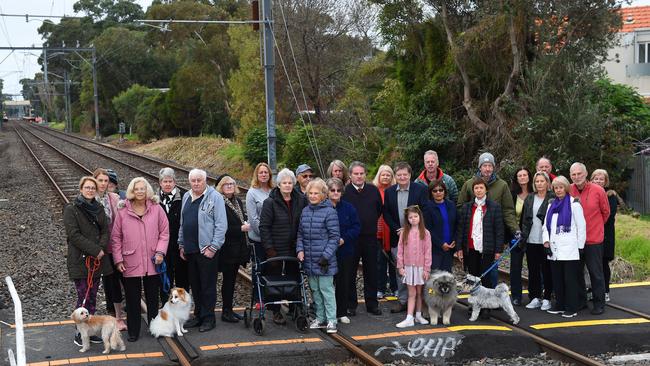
{"points": [[59, 126], [633, 243], [132, 137]]}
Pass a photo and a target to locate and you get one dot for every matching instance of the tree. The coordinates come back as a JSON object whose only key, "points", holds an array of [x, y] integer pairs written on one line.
{"points": [[127, 102]]}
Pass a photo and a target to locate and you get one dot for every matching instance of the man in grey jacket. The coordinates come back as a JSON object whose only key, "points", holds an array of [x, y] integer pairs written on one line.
{"points": [[201, 235]]}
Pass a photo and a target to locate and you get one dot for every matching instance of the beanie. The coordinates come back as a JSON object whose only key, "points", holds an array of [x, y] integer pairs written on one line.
{"points": [[486, 157]]}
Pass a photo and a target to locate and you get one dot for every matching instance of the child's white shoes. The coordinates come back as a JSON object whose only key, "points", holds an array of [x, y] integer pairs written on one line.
{"points": [[420, 319], [408, 322]]}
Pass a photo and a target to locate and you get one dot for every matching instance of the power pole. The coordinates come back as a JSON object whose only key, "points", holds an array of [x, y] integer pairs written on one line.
{"points": [[66, 91], [45, 86], [97, 136], [269, 67]]}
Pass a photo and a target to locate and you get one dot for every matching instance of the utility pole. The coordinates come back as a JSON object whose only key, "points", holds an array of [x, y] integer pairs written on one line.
{"points": [[66, 91], [97, 137], [45, 86], [269, 67]]}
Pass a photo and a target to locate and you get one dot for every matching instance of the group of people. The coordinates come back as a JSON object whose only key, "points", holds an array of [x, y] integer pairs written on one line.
{"points": [[400, 229]]}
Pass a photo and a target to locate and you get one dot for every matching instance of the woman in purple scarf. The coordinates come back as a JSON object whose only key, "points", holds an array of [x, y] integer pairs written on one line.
{"points": [[564, 235]]}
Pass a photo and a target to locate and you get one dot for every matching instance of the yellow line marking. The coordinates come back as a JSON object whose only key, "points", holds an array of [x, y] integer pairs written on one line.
{"points": [[588, 323], [213, 347], [630, 284], [460, 328]]}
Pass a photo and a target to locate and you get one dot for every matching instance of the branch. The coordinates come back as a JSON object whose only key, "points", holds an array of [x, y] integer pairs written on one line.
{"points": [[514, 74]]}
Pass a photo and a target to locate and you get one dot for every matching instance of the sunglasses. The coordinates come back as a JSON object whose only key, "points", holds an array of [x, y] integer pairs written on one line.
{"points": [[336, 190]]}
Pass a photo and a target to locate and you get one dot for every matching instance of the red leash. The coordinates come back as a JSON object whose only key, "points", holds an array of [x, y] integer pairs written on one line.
{"points": [[91, 271]]}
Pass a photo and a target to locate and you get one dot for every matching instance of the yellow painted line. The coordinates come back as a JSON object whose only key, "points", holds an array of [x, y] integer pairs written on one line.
{"points": [[589, 323], [460, 328], [213, 347], [81, 360], [630, 284]]}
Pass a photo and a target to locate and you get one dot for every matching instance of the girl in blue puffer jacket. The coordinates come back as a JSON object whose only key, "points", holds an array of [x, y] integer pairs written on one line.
{"points": [[318, 238]]}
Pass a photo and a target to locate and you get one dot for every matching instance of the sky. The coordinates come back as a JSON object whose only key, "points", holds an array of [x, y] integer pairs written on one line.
{"points": [[16, 32]]}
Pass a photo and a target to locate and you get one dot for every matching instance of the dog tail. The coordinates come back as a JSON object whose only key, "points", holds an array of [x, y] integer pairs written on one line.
{"points": [[501, 290]]}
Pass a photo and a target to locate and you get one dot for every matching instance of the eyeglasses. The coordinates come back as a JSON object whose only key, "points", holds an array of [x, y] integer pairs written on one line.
{"points": [[307, 176], [228, 185], [90, 188], [336, 190], [439, 190]]}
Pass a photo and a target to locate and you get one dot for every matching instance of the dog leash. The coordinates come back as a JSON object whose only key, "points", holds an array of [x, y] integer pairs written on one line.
{"points": [[505, 253], [164, 278], [91, 271]]}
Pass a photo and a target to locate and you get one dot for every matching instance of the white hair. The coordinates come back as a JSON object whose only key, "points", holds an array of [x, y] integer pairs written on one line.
{"points": [[286, 173], [197, 173], [130, 194], [166, 172], [580, 166], [431, 152]]}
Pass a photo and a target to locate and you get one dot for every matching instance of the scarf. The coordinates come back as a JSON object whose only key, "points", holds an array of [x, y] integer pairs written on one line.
{"points": [[167, 198], [91, 209], [477, 224], [561, 207], [235, 206], [106, 202]]}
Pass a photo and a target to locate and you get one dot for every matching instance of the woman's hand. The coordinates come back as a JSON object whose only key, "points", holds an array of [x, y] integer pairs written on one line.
{"points": [[445, 247], [547, 244], [209, 253], [341, 241], [402, 272], [246, 227], [182, 252], [159, 258], [459, 255], [120, 267], [301, 256], [100, 255], [425, 276], [497, 256]]}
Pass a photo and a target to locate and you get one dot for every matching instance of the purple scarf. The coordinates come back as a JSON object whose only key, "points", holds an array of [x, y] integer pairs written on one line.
{"points": [[561, 207]]}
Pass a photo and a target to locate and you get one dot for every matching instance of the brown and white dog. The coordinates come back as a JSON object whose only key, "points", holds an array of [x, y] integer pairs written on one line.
{"points": [[100, 325], [173, 315]]}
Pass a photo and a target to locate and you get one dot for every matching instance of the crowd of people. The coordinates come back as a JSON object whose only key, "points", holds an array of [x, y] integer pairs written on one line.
{"points": [[401, 230]]}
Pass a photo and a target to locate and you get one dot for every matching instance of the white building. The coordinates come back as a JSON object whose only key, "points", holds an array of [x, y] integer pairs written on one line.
{"points": [[629, 62]]}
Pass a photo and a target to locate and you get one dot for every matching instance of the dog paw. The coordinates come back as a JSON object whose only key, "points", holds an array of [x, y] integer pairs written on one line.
{"points": [[83, 350], [123, 348], [106, 352], [184, 330], [446, 323]]}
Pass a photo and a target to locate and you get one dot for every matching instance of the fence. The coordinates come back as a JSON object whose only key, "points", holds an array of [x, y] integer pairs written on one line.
{"points": [[638, 194]]}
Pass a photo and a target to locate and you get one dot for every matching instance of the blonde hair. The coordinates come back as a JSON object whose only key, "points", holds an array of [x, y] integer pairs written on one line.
{"points": [[407, 225], [561, 180], [223, 181], [603, 172], [130, 194], [341, 165], [84, 179], [318, 184], [256, 183], [381, 169]]}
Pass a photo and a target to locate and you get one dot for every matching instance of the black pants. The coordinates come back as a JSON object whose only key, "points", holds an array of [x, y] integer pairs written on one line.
{"points": [[133, 290], [565, 282], [539, 271], [342, 282], [112, 287], [203, 281], [367, 249], [229, 272], [607, 273], [257, 257], [176, 270], [477, 263], [516, 264], [592, 257]]}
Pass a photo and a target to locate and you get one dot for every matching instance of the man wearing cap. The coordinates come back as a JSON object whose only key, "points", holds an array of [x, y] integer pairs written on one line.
{"points": [[498, 191], [432, 171], [304, 175]]}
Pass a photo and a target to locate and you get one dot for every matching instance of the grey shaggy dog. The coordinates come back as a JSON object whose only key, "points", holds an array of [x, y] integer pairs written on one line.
{"points": [[487, 298], [440, 296]]}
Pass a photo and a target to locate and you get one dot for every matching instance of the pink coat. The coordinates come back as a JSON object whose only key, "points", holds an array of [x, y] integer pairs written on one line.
{"points": [[136, 240], [113, 199], [417, 252]]}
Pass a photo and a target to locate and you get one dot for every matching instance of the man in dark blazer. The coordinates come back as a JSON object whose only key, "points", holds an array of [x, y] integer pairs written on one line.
{"points": [[396, 198]]}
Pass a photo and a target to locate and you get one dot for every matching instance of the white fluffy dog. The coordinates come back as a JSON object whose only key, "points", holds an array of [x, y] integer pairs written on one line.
{"points": [[487, 298], [440, 296], [103, 325], [173, 315]]}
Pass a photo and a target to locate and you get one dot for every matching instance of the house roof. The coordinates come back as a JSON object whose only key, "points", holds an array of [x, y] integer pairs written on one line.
{"points": [[635, 17]]}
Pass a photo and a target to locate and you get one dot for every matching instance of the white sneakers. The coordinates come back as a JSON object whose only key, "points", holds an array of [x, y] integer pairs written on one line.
{"points": [[606, 296], [546, 304], [420, 319], [534, 304], [331, 327], [344, 320], [316, 324], [410, 321]]}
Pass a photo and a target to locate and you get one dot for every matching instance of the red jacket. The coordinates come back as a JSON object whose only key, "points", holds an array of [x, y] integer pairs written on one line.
{"points": [[596, 210], [135, 240], [383, 231]]}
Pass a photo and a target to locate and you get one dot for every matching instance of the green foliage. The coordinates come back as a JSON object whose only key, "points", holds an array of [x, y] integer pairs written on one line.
{"points": [[255, 144], [126, 103], [152, 117], [298, 149]]}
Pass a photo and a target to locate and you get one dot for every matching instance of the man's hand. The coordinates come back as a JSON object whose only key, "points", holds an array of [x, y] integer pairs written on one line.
{"points": [[183, 254], [497, 256], [209, 253], [301, 256]]}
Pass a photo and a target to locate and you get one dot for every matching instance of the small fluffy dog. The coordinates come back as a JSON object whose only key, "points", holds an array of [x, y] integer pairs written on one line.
{"points": [[100, 325], [487, 298], [173, 315], [440, 296]]}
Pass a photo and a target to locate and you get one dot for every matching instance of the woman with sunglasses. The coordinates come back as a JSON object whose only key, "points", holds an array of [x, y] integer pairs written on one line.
{"points": [[349, 228], [440, 220]]}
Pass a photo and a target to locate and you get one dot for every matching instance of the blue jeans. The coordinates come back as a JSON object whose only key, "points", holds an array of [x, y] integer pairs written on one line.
{"points": [[322, 291], [386, 270]]}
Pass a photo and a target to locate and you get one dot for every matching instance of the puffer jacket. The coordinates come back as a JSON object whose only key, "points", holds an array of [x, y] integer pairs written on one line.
{"points": [[85, 238], [528, 215], [136, 240], [278, 225], [499, 192], [318, 237], [492, 228], [349, 227], [566, 246]]}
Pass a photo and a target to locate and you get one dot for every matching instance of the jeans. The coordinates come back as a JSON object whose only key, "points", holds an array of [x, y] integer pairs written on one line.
{"points": [[81, 285], [386, 270], [322, 291], [593, 258]]}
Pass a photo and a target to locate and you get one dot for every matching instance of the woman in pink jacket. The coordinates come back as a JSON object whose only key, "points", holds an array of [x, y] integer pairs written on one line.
{"points": [[139, 241]]}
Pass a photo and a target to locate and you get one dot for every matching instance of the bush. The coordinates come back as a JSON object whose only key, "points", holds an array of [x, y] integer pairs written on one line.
{"points": [[255, 145]]}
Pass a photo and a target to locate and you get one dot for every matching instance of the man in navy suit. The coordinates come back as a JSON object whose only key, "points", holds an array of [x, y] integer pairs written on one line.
{"points": [[396, 198]]}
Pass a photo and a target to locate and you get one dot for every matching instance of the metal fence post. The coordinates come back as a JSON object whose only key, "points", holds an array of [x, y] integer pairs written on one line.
{"points": [[20, 359]]}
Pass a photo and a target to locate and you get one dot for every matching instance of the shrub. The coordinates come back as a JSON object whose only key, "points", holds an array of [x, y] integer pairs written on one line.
{"points": [[255, 145]]}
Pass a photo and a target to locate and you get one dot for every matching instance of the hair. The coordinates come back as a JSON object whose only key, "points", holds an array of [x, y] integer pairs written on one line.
{"points": [[578, 165], [543, 158], [383, 168], [403, 165], [514, 185], [355, 164], [166, 172], [561, 180], [254, 182], [430, 152], [543, 174], [226, 179], [319, 184], [83, 180], [437, 183], [100, 171], [476, 181], [407, 226], [130, 195], [197, 172], [286, 173], [601, 172], [341, 165], [334, 183]]}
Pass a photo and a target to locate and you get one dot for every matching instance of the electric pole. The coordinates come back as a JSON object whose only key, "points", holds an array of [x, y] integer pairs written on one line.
{"points": [[97, 136], [269, 67]]}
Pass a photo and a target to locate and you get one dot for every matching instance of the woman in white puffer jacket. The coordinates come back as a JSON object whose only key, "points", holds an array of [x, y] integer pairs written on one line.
{"points": [[564, 233]]}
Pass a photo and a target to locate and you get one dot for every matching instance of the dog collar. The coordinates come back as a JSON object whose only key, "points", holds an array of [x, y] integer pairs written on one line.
{"points": [[475, 288]]}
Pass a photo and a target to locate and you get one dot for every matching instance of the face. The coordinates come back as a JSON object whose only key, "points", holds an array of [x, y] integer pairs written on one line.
{"points": [[80, 315], [335, 194], [358, 175], [228, 189], [337, 172], [486, 170], [198, 184], [544, 165], [167, 184], [522, 177], [403, 177], [541, 185], [178, 296], [263, 175], [479, 191], [112, 187], [385, 178], [414, 218], [438, 194], [88, 190], [315, 195], [102, 183], [559, 190], [140, 191], [286, 185], [430, 163], [304, 178], [599, 179], [578, 176]]}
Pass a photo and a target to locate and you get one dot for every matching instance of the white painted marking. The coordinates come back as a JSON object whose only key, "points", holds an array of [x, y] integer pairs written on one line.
{"points": [[628, 358]]}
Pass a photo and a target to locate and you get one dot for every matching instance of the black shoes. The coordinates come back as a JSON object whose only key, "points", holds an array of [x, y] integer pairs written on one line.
{"points": [[132, 338], [516, 302], [376, 311], [597, 310], [206, 326], [352, 312], [229, 317], [193, 323], [237, 316], [96, 339], [398, 308], [77, 340]]}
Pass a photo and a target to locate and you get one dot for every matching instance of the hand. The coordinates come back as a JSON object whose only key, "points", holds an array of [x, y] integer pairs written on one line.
{"points": [[301, 256], [518, 234], [547, 245], [452, 245], [324, 264], [445, 247], [459, 255], [209, 253], [402, 272], [425, 276], [246, 227], [120, 267], [399, 231], [183, 254], [100, 255], [341, 241], [497, 256], [159, 259]]}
